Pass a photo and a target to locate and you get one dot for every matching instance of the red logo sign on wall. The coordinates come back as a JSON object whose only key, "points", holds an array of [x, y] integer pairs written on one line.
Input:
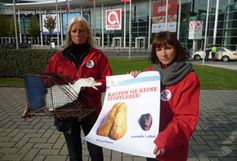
{"points": [[195, 25], [195, 30], [113, 19]]}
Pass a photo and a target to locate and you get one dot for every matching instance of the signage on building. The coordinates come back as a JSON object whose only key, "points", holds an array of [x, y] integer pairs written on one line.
{"points": [[159, 16], [125, 0], [195, 30], [113, 19], [57, 27]]}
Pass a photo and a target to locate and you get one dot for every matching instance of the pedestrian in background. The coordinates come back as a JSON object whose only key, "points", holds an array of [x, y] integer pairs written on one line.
{"points": [[179, 104], [208, 50], [213, 52]]}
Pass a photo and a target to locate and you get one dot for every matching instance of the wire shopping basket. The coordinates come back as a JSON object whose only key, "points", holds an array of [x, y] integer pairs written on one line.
{"points": [[51, 94]]}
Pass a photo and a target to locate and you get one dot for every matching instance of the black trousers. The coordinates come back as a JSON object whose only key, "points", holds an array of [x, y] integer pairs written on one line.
{"points": [[213, 55], [151, 159], [74, 143]]}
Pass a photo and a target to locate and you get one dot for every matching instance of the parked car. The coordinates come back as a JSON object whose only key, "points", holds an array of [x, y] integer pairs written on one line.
{"points": [[24, 45], [9, 45], [223, 54], [13, 45], [191, 52]]}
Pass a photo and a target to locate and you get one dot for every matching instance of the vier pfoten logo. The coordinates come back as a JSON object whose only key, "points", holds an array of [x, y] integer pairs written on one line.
{"points": [[165, 95]]}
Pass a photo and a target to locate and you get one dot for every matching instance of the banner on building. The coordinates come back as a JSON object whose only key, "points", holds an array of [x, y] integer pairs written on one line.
{"points": [[129, 119], [195, 30], [159, 16], [113, 19], [57, 27]]}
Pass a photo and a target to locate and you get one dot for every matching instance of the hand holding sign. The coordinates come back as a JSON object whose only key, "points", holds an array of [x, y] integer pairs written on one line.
{"points": [[126, 121]]}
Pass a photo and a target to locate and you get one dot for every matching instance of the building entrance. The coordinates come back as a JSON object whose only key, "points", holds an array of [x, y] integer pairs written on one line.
{"points": [[140, 42], [117, 42]]}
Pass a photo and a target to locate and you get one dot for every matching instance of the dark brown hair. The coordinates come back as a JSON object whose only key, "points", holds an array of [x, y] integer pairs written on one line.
{"points": [[164, 38]]}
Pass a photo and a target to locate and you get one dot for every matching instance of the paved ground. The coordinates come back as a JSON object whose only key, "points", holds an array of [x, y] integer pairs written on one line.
{"points": [[227, 65], [36, 139]]}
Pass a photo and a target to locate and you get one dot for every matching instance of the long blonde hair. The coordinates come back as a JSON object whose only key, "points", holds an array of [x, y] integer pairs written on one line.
{"points": [[68, 41]]}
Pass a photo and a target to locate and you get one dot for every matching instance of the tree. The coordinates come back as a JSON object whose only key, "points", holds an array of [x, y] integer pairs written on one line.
{"points": [[34, 28], [11, 27], [3, 26], [50, 24]]}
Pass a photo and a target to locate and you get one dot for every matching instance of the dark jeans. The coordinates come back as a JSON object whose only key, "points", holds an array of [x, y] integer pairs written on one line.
{"points": [[207, 56], [73, 140], [213, 55], [151, 159]]}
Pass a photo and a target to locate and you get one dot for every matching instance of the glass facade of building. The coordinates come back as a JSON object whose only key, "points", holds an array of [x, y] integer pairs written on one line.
{"points": [[191, 10], [221, 29]]}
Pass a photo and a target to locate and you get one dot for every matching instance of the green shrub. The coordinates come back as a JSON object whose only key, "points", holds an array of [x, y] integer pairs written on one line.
{"points": [[17, 63]]}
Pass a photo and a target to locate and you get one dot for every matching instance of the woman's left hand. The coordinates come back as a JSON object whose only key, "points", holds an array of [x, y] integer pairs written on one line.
{"points": [[159, 151], [134, 73]]}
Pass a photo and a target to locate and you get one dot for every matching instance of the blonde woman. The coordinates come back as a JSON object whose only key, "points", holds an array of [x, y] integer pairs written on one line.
{"points": [[79, 59]]}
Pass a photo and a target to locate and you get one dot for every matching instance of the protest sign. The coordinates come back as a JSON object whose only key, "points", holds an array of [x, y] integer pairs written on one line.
{"points": [[129, 120]]}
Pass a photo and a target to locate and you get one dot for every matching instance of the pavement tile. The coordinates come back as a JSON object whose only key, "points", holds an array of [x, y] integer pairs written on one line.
{"points": [[36, 139], [47, 151], [7, 144], [59, 144], [64, 150], [43, 145], [39, 158], [31, 154], [56, 158], [12, 157], [25, 149]]}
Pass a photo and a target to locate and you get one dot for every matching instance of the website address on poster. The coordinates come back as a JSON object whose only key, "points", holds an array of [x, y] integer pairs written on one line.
{"points": [[104, 141], [143, 136]]}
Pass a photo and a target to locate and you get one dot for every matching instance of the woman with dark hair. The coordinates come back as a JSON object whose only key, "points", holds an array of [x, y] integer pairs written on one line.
{"points": [[180, 89]]}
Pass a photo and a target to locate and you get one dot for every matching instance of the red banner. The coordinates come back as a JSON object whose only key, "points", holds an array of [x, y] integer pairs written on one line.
{"points": [[159, 8], [90, 1], [159, 16]]}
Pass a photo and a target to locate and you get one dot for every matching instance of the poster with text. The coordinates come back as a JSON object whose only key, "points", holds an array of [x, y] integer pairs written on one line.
{"points": [[129, 119]]}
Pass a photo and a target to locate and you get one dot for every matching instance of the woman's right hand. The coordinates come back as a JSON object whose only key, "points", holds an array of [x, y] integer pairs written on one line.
{"points": [[159, 151]]}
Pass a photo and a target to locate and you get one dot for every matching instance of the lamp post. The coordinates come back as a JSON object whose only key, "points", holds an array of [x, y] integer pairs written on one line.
{"points": [[205, 38], [16, 36], [130, 29], [57, 23]]}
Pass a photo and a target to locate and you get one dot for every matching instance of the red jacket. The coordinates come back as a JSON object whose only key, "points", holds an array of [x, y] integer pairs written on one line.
{"points": [[178, 117], [95, 64]]}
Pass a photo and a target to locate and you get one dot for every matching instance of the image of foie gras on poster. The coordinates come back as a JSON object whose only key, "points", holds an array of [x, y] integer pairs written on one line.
{"points": [[129, 119]]}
